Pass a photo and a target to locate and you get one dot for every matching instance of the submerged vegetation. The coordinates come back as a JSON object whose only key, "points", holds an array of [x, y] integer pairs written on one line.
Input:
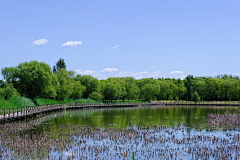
{"points": [[123, 133]]}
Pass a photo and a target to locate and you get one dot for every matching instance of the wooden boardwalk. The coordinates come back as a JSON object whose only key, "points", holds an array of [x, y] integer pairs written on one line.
{"points": [[25, 112], [200, 103]]}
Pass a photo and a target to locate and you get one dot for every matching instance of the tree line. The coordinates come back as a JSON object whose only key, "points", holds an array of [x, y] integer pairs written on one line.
{"points": [[37, 79]]}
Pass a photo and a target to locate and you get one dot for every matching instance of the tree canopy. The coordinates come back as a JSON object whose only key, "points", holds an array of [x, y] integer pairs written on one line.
{"points": [[37, 79]]}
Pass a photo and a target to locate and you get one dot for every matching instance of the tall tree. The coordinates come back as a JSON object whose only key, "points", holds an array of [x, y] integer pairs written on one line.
{"points": [[66, 85], [196, 97], [189, 86], [91, 84], [60, 64], [110, 91], [150, 91], [29, 78]]}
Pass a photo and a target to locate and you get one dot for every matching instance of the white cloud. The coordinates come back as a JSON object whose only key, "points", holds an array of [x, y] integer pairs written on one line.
{"points": [[144, 72], [72, 43], [109, 70], [176, 72], [157, 72], [114, 72], [137, 75], [154, 74], [40, 42], [86, 72], [114, 47]]}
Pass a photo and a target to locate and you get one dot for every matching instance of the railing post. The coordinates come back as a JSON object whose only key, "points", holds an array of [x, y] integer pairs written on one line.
{"points": [[4, 112], [13, 112], [17, 111], [8, 112]]}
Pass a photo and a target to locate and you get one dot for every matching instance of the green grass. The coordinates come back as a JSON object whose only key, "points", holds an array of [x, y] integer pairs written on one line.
{"points": [[18, 101], [43, 101], [14, 102], [69, 100], [126, 101]]}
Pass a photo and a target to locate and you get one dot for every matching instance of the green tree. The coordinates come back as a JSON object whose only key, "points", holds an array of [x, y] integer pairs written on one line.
{"points": [[189, 86], [95, 96], [133, 92], [29, 78], [60, 64], [196, 98], [10, 91], [66, 86], [165, 90], [2, 84], [181, 91], [52, 88], [110, 91], [150, 91], [122, 85], [91, 84], [200, 86], [78, 89]]}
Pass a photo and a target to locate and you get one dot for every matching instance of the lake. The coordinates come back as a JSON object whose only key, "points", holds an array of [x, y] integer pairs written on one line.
{"points": [[154, 132]]}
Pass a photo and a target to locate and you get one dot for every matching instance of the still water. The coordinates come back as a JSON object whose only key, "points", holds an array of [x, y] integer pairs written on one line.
{"points": [[154, 132]]}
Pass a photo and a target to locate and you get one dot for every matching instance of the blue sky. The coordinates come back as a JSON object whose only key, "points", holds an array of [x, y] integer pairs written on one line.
{"points": [[106, 38]]}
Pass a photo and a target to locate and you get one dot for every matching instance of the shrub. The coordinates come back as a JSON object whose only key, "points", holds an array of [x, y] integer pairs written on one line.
{"points": [[95, 96]]}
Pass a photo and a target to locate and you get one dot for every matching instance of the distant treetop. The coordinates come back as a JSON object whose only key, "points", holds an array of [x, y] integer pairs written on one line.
{"points": [[60, 64]]}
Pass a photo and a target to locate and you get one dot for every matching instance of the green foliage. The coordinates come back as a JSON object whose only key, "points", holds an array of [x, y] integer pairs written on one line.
{"points": [[18, 101], [60, 64], [15, 101], [30, 79], [43, 101], [196, 97], [78, 89], [95, 96], [110, 91], [150, 91], [2, 84], [36, 80], [189, 86], [2, 93], [91, 84], [69, 100], [133, 92], [65, 86], [132, 156], [7, 91]]}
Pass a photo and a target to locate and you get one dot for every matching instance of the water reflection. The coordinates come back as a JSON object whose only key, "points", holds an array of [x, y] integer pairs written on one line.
{"points": [[181, 132]]}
